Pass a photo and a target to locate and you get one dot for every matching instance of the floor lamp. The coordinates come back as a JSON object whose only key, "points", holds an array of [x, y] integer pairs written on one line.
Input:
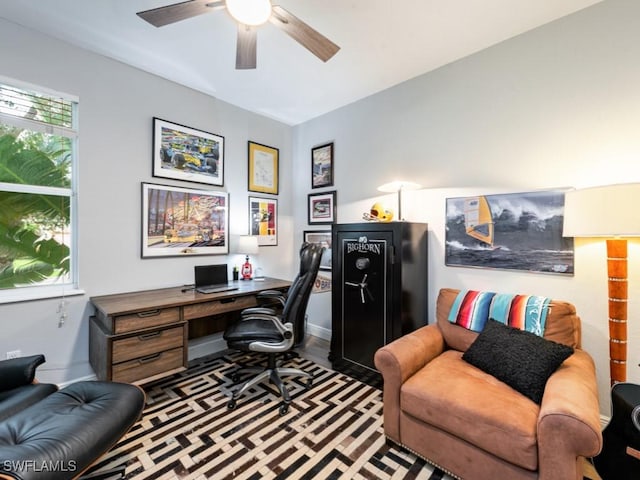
{"points": [[398, 187], [612, 212]]}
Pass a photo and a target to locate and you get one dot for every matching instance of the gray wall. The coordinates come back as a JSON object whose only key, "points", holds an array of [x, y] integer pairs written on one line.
{"points": [[556, 107], [117, 104]]}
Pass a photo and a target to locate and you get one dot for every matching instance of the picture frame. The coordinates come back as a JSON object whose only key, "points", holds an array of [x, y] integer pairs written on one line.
{"points": [[263, 220], [187, 154], [510, 231], [178, 221], [263, 168], [322, 237], [322, 166], [321, 208]]}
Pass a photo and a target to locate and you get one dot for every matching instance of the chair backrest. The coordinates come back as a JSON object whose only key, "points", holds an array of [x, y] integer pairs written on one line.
{"points": [[295, 306], [563, 324]]}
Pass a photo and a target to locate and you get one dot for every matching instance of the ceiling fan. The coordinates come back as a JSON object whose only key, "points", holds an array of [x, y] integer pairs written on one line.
{"points": [[249, 14]]}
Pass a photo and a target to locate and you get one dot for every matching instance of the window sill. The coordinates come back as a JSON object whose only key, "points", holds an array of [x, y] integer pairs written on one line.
{"points": [[38, 293]]}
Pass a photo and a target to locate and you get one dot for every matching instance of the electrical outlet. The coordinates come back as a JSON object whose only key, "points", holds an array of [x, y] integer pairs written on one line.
{"points": [[13, 354]]}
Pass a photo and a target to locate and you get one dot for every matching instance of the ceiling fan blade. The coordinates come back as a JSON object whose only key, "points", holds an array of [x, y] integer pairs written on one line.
{"points": [[162, 16], [246, 47], [312, 40]]}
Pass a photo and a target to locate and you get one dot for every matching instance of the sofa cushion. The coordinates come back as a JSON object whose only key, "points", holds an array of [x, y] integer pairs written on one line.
{"points": [[521, 359], [456, 397]]}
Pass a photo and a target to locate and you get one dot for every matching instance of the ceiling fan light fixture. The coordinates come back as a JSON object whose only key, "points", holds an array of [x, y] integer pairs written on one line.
{"points": [[250, 12]]}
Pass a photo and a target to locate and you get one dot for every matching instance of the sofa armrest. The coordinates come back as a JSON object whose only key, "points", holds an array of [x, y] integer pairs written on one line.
{"points": [[16, 372], [398, 361], [569, 421]]}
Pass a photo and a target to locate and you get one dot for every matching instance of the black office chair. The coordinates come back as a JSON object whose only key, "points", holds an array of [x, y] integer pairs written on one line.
{"points": [[263, 330]]}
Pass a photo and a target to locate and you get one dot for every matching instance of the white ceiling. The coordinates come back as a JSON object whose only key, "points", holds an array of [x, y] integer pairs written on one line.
{"points": [[383, 43]]}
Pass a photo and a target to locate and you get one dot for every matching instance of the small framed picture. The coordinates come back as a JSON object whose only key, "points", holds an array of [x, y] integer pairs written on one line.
{"points": [[322, 166], [263, 220], [322, 237], [263, 168], [322, 208], [184, 153]]}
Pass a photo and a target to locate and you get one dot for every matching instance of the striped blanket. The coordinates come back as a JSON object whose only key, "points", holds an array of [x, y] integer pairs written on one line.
{"points": [[471, 310]]}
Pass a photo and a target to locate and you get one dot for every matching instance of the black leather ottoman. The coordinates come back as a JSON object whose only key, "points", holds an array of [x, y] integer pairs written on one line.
{"points": [[63, 434]]}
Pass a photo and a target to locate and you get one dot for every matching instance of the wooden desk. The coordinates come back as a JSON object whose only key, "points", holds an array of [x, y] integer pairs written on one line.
{"points": [[140, 336]]}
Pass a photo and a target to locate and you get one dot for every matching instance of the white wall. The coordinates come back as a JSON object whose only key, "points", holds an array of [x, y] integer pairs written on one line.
{"points": [[117, 104], [558, 106]]}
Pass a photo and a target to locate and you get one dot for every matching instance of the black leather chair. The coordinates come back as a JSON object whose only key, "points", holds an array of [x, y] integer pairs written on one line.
{"points": [[18, 390], [267, 331], [58, 434]]}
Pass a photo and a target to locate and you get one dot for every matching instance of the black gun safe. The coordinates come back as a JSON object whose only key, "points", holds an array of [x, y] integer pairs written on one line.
{"points": [[379, 291]]}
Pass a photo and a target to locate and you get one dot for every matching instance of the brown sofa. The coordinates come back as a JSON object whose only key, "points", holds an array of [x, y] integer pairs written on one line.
{"points": [[475, 427]]}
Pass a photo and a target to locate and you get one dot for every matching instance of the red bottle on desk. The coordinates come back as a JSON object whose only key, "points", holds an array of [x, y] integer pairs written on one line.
{"points": [[246, 270]]}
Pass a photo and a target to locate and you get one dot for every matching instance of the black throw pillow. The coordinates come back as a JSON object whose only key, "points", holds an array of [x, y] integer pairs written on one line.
{"points": [[521, 359]]}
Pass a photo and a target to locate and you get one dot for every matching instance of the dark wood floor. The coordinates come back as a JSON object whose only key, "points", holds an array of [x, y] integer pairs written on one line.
{"points": [[315, 349]]}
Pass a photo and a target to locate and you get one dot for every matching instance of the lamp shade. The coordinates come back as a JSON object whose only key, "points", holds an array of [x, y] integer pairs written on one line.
{"points": [[248, 244], [606, 211]]}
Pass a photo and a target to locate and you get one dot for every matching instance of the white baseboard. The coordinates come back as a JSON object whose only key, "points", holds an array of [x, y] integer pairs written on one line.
{"points": [[320, 332]]}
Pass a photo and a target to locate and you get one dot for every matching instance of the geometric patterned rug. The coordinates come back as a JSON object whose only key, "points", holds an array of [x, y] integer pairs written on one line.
{"points": [[332, 431]]}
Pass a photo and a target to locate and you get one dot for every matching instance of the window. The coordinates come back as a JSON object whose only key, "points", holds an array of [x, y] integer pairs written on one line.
{"points": [[38, 138]]}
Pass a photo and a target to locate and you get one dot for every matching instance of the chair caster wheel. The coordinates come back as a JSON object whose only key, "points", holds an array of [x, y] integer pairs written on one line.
{"points": [[231, 405], [284, 408], [309, 384], [234, 377]]}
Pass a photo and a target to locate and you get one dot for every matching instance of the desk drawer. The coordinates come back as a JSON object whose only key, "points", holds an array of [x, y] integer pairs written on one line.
{"points": [[148, 366], [147, 319], [147, 343], [199, 310]]}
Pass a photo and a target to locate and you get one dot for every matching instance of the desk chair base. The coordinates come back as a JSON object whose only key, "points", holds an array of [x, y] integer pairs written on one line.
{"points": [[274, 374]]}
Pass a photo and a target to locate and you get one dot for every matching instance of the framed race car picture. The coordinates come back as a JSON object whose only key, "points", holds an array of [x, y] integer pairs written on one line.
{"points": [[185, 153]]}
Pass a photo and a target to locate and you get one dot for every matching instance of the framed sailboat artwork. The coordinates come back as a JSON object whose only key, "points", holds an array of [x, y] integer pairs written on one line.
{"points": [[512, 231]]}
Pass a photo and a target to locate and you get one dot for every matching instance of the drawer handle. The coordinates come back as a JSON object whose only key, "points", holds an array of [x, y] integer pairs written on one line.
{"points": [[149, 358], [149, 336], [228, 300], [150, 313]]}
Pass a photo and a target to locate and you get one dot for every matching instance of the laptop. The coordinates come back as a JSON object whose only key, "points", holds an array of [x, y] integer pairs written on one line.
{"points": [[212, 279]]}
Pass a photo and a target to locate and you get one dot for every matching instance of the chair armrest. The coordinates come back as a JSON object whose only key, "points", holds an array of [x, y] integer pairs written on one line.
{"points": [[16, 372], [408, 354], [569, 421], [398, 361], [285, 329], [247, 312]]}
